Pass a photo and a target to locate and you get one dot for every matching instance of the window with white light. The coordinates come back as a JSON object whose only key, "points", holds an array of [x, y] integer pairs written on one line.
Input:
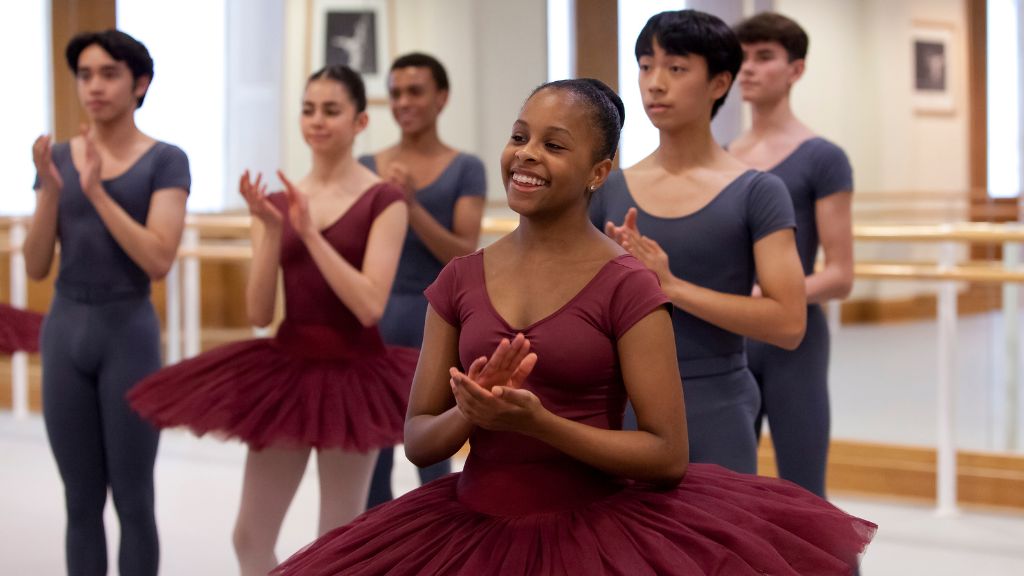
{"points": [[185, 106], [561, 39], [25, 35], [1004, 98], [639, 137]]}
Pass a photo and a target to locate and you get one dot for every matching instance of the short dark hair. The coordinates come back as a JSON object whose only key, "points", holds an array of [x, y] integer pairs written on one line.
{"points": [[685, 32], [348, 78], [774, 27], [603, 105], [421, 60], [120, 46]]}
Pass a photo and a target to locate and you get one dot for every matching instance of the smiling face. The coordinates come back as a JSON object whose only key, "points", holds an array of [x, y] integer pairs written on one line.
{"points": [[105, 86], [676, 90], [548, 164], [330, 121], [767, 74], [415, 99]]}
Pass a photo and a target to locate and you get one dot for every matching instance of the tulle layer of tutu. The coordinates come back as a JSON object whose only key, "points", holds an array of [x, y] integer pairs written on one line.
{"points": [[715, 522], [19, 330], [260, 393]]}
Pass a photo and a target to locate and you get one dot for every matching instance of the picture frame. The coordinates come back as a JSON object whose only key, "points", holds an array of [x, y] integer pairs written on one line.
{"points": [[933, 76], [356, 33]]}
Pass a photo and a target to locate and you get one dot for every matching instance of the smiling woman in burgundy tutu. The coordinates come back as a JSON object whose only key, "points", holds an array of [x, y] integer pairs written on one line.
{"points": [[19, 330], [531, 348], [326, 381]]}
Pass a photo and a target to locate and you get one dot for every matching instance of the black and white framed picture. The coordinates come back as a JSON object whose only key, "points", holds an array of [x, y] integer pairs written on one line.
{"points": [[933, 72], [355, 33]]}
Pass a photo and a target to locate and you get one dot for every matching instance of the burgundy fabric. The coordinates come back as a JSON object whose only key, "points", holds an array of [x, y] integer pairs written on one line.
{"points": [[324, 380], [521, 507], [19, 330]]}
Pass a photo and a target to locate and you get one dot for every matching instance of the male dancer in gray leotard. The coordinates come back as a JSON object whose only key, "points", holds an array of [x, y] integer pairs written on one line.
{"points": [[445, 191], [794, 384], [115, 199], [705, 223]]}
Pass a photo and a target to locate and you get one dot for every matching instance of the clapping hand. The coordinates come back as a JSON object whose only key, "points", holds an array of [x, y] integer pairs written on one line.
{"points": [[491, 394], [627, 229], [255, 194], [298, 208], [399, 175], [647, 251], [42, 156], [89, 174]]}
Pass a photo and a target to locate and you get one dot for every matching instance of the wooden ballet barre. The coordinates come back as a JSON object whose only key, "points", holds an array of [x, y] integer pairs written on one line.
{"points": [[206, 223], [979, 274], [223, 252], [961, 231]]}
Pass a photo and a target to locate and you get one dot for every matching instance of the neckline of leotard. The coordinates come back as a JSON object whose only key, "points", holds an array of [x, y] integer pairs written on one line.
{"points": [[366, 194], [451, 164], [558, 311], [734, 182], [795, 151], [128, 170]]}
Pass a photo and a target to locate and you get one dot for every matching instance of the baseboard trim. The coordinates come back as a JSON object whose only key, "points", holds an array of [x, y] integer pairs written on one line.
{"points": [[975, 299], [983, 478]]}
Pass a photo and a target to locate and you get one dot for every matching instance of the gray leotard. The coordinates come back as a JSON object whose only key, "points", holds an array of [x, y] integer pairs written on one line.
{"points": [[100, 337], [713, 248], [402, 323], [794, 384]]}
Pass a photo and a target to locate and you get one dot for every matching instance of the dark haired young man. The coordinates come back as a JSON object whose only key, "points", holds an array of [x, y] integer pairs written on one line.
{"points": [[794, 383], [115, 200], [706, 224]]}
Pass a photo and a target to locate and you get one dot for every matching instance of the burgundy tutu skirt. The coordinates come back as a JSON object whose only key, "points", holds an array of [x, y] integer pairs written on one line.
{"points": [[308, 386], [715, 522], [19, 330]]}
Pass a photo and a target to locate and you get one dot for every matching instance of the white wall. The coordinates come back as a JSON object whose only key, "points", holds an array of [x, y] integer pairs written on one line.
{"points": [[857, 92], [495, 53], [25, 36], [252, 118], [185, 105]]}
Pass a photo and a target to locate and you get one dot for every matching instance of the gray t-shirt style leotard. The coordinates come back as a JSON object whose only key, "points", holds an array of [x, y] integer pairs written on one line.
{"points": [[815, 170], [92, 263], [712, 248], [464, 176], [794, 384], [99, 339], [402, 323]]}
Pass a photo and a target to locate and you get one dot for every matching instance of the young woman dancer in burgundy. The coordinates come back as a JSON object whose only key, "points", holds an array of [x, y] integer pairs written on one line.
{"points": [[326, 381], [531, 348], [19, 330]]}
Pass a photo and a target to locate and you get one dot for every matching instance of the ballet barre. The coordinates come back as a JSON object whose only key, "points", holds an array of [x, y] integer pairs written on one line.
{"points": [[183, 286], [19, 299], [948, 273]]}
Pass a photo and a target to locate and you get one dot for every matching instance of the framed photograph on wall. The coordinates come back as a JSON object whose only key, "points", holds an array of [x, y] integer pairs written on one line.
{"points": [[933, 75], [356, 33]]}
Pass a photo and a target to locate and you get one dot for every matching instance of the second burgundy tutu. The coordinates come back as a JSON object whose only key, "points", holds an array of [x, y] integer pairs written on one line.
{"points": [[264, 392], [19, 330]]}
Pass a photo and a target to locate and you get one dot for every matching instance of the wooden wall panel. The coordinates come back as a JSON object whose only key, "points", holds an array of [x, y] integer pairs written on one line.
{"points": [[597, 41], [69, 17]]}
